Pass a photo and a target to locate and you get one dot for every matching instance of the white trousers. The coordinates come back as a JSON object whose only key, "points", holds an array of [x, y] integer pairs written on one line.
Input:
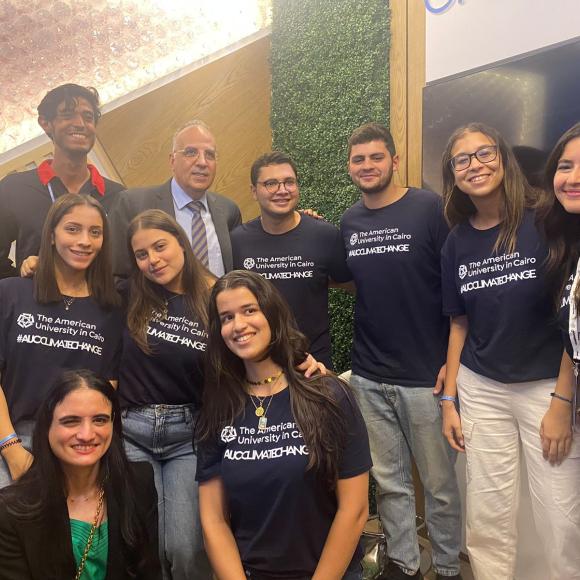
{"points": [[498, 421]]}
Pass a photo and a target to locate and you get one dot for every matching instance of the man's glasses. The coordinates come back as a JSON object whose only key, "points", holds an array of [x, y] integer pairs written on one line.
{"points": [[273, 185], [485, 154], [194, 153]]}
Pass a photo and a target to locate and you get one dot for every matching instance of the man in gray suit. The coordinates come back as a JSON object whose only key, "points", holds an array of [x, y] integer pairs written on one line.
{"points": [[185, 197]]}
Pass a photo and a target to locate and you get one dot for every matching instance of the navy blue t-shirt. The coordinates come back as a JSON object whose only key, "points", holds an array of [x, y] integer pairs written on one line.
{"points": [[400, 334], [299, 263], [281, 514], [564, 316], [39, 341], [513, 334], [172, 374]]}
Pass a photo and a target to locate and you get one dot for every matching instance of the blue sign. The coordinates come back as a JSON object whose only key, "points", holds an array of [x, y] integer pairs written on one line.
{"points": [[440, 6]]}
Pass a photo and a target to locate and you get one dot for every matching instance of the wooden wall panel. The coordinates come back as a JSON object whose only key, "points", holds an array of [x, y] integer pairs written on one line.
{"points": [[398, 84], [407, 66], [232, 95], [415, 83], [407, 79], [28, 160]]}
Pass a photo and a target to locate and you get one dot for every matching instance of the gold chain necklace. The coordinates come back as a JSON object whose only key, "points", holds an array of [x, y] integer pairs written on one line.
{"points": [[265, 381], [91, 535], [260, 412]]}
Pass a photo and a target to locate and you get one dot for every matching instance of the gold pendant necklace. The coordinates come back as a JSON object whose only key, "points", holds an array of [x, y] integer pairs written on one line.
{"points": [[259, 410]]}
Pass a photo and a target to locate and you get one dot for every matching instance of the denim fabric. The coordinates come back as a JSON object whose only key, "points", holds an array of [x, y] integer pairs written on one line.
{"points": [[24, 431], [403, 424], [163, 436]]}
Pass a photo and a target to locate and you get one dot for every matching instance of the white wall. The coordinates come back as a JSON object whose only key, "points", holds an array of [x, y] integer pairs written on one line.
{"points": [[472, 33]]}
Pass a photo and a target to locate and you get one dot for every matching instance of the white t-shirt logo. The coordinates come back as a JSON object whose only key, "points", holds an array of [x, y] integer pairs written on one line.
{"points": [[228, 434], [25, 320], [462, 271], [249, 263], [353, 239]]}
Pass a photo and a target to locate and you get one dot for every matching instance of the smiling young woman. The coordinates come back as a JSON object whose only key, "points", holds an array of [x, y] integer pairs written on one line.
{"points": [[161, 378], [66, 317], [82, 510], [559, 218], [559, 215], [283, 461], [503, 357]]}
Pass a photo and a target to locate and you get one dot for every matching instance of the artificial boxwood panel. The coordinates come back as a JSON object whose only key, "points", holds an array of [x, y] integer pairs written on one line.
{"points": [[330, 74]]}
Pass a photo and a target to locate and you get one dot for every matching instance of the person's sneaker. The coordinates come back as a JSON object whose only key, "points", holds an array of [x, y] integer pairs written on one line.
{"points": [[393, 572], [454, 577]]}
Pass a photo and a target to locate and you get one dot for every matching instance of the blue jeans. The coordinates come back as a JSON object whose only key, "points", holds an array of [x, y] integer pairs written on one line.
{"points": [[24, 431], [403, 424], [163, 436]]}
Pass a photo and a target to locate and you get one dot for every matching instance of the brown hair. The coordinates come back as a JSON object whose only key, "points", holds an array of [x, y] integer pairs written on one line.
{"points": [[517, 192], [561, 229], [146, 297], [372, 132], [314, 404], [273, 158], [99, 274]]}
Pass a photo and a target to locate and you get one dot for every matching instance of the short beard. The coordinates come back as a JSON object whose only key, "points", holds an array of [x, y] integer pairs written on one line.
{"points": [[380, 187]]}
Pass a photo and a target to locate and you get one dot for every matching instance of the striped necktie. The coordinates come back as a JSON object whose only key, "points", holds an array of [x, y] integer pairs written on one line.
{"points": [[198, 233]]}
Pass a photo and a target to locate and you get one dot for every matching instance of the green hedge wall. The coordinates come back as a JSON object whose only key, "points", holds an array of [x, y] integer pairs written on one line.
{"points": [[330, 74]]}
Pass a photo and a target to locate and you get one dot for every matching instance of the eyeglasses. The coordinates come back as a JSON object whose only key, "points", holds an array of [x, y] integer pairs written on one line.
{"points": [[194, 153], [273, 185], [485, 154]]}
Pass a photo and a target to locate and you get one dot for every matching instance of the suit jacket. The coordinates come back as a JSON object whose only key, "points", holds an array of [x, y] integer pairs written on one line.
{"points": [[33, 549], [225, 215]]}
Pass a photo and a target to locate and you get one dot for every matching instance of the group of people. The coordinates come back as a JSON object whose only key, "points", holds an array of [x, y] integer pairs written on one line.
{"points": [[154, 341]]}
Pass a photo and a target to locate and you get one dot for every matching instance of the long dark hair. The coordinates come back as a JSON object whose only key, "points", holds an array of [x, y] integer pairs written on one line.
{"points": [[314, 404], [43, 487], [561, 229], [99, 274], [517, 192], [146, 297]]}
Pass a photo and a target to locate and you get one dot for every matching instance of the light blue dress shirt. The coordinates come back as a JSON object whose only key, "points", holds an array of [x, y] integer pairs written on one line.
{"points": [[184, 214]]}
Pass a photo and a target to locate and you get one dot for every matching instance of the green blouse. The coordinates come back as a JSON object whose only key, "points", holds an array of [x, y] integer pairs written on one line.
{"points": [[96, 566]]}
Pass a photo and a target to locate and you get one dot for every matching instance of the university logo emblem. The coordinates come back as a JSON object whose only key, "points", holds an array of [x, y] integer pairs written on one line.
{"points": [[249, 263], [228, 434], [462, 271], [25, 320], [353, 239]]}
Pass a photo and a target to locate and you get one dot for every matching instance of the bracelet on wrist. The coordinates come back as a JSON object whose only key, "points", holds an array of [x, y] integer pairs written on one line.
{"points": [[561, 397], [449, 398], [8, 438], [10, 444]]}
